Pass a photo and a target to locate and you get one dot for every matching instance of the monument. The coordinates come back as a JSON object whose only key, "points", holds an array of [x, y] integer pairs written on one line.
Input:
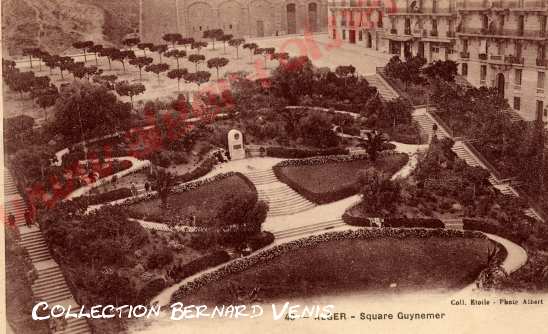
{"points": [[236, 145]]}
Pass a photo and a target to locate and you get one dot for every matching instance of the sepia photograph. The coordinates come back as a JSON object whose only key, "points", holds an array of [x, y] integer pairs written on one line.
{"points": [[274, 166]]}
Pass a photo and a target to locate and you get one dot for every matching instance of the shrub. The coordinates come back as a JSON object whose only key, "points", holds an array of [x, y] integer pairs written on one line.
{"points": [[200, 264], [298, 153], [151, 289], [260, 240], [159, 258], [109, 196]]}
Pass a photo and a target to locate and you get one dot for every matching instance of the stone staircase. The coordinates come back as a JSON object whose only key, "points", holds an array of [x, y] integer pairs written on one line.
{"points": [[281, 199], [309, 229], [50, 285], [387, 93], [453, 224], [426, 123]]}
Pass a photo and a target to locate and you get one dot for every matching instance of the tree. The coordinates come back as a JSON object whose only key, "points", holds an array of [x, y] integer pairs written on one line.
{"points": [[198, 77], [198, 45], [124, 88], [225, 38], [172, 38], [131, 42], [395, 112], [157, 69], [186, 42], [441, 70], [160, 49], [65, 64], [30, 52], [164, 183], [316, 130], [251, 47], [373, 144], [196, 59], [141, 62], [294, 79], [88, 110], [84, 46], [380, 195], [107, 81], [216, 63], [46, 97], [96, 49], [235, 43], [177, 54], [122, 56], [345, 72], [145, 46], [213, 35], [408, 71], [244, 214], [177, 74], [280, 56], [266, 52], [51, 62], [110, 54]]}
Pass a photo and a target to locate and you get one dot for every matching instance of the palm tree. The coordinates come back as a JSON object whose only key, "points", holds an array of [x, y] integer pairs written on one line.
{"points": [[373, 144]]}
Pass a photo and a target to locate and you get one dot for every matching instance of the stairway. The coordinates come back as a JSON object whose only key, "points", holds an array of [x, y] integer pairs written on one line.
{"points": [[281, 199], [309, 229], [50, 285], [426, 124], [453, 224], [387, 93]]}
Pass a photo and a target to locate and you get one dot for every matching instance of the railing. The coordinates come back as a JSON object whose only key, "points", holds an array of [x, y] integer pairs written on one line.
{"points": [[496, 57], [542, 62], [513, 60], [394, 31], [465, 55], [407, 31], [444, 126], [434, 33], [482, 56], [451, 34]]}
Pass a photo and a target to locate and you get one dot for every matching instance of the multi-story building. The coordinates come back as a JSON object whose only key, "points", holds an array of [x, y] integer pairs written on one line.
{"points": [[241, 18], [497, 43]]}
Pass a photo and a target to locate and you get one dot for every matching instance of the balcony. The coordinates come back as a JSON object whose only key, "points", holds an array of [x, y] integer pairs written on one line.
{"points": [[504, 34], [407, 31], [513, 60], [482, 56], [451, 34], [394, 31], [465, 55], [434, 33], [542, 62]]}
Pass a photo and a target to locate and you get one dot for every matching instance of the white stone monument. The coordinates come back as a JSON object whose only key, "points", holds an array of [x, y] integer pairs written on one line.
{"points": [[236, 145]]}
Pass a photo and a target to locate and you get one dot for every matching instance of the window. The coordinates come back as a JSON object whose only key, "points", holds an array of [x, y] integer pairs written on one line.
{"points": [[465, 45], [517, 103], [521, 25], [360, 35], [483, 73], [540, 109], [517, 77], [464, 69], [344, 34], [543, 25], [540, 82]]}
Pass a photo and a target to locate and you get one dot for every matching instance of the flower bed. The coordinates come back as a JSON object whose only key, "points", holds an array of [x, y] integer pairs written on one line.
{"points": [[393, 222], [108, 196], [208, 194], [330, 178], [179, 273], [240, 265], [297, 153]]}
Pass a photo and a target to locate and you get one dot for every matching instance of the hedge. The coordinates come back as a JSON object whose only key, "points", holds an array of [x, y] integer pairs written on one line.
{"points": [[402, 222], [483, 226], [108, 196], [413, 222], [203, 168], [242, 264], [260, 240], [200, 264], [297, 153]]}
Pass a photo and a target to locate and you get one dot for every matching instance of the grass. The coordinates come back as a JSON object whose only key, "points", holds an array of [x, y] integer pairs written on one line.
{"points": [[203, 202], [412, 264], [333, 181]]}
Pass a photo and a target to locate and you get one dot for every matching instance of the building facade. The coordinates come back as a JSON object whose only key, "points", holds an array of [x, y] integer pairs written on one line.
{"points": [[241, 18], [497, 43]]}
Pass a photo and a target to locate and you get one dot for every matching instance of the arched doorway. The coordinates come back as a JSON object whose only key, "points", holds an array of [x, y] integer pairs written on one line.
{"points": [[313, 17], [291, 18], [369, 40], [500, 84]]}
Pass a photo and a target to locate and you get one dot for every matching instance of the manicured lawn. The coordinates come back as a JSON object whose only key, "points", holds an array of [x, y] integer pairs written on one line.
{"points": [[355, 266], [203, 202], [334, 181]]}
